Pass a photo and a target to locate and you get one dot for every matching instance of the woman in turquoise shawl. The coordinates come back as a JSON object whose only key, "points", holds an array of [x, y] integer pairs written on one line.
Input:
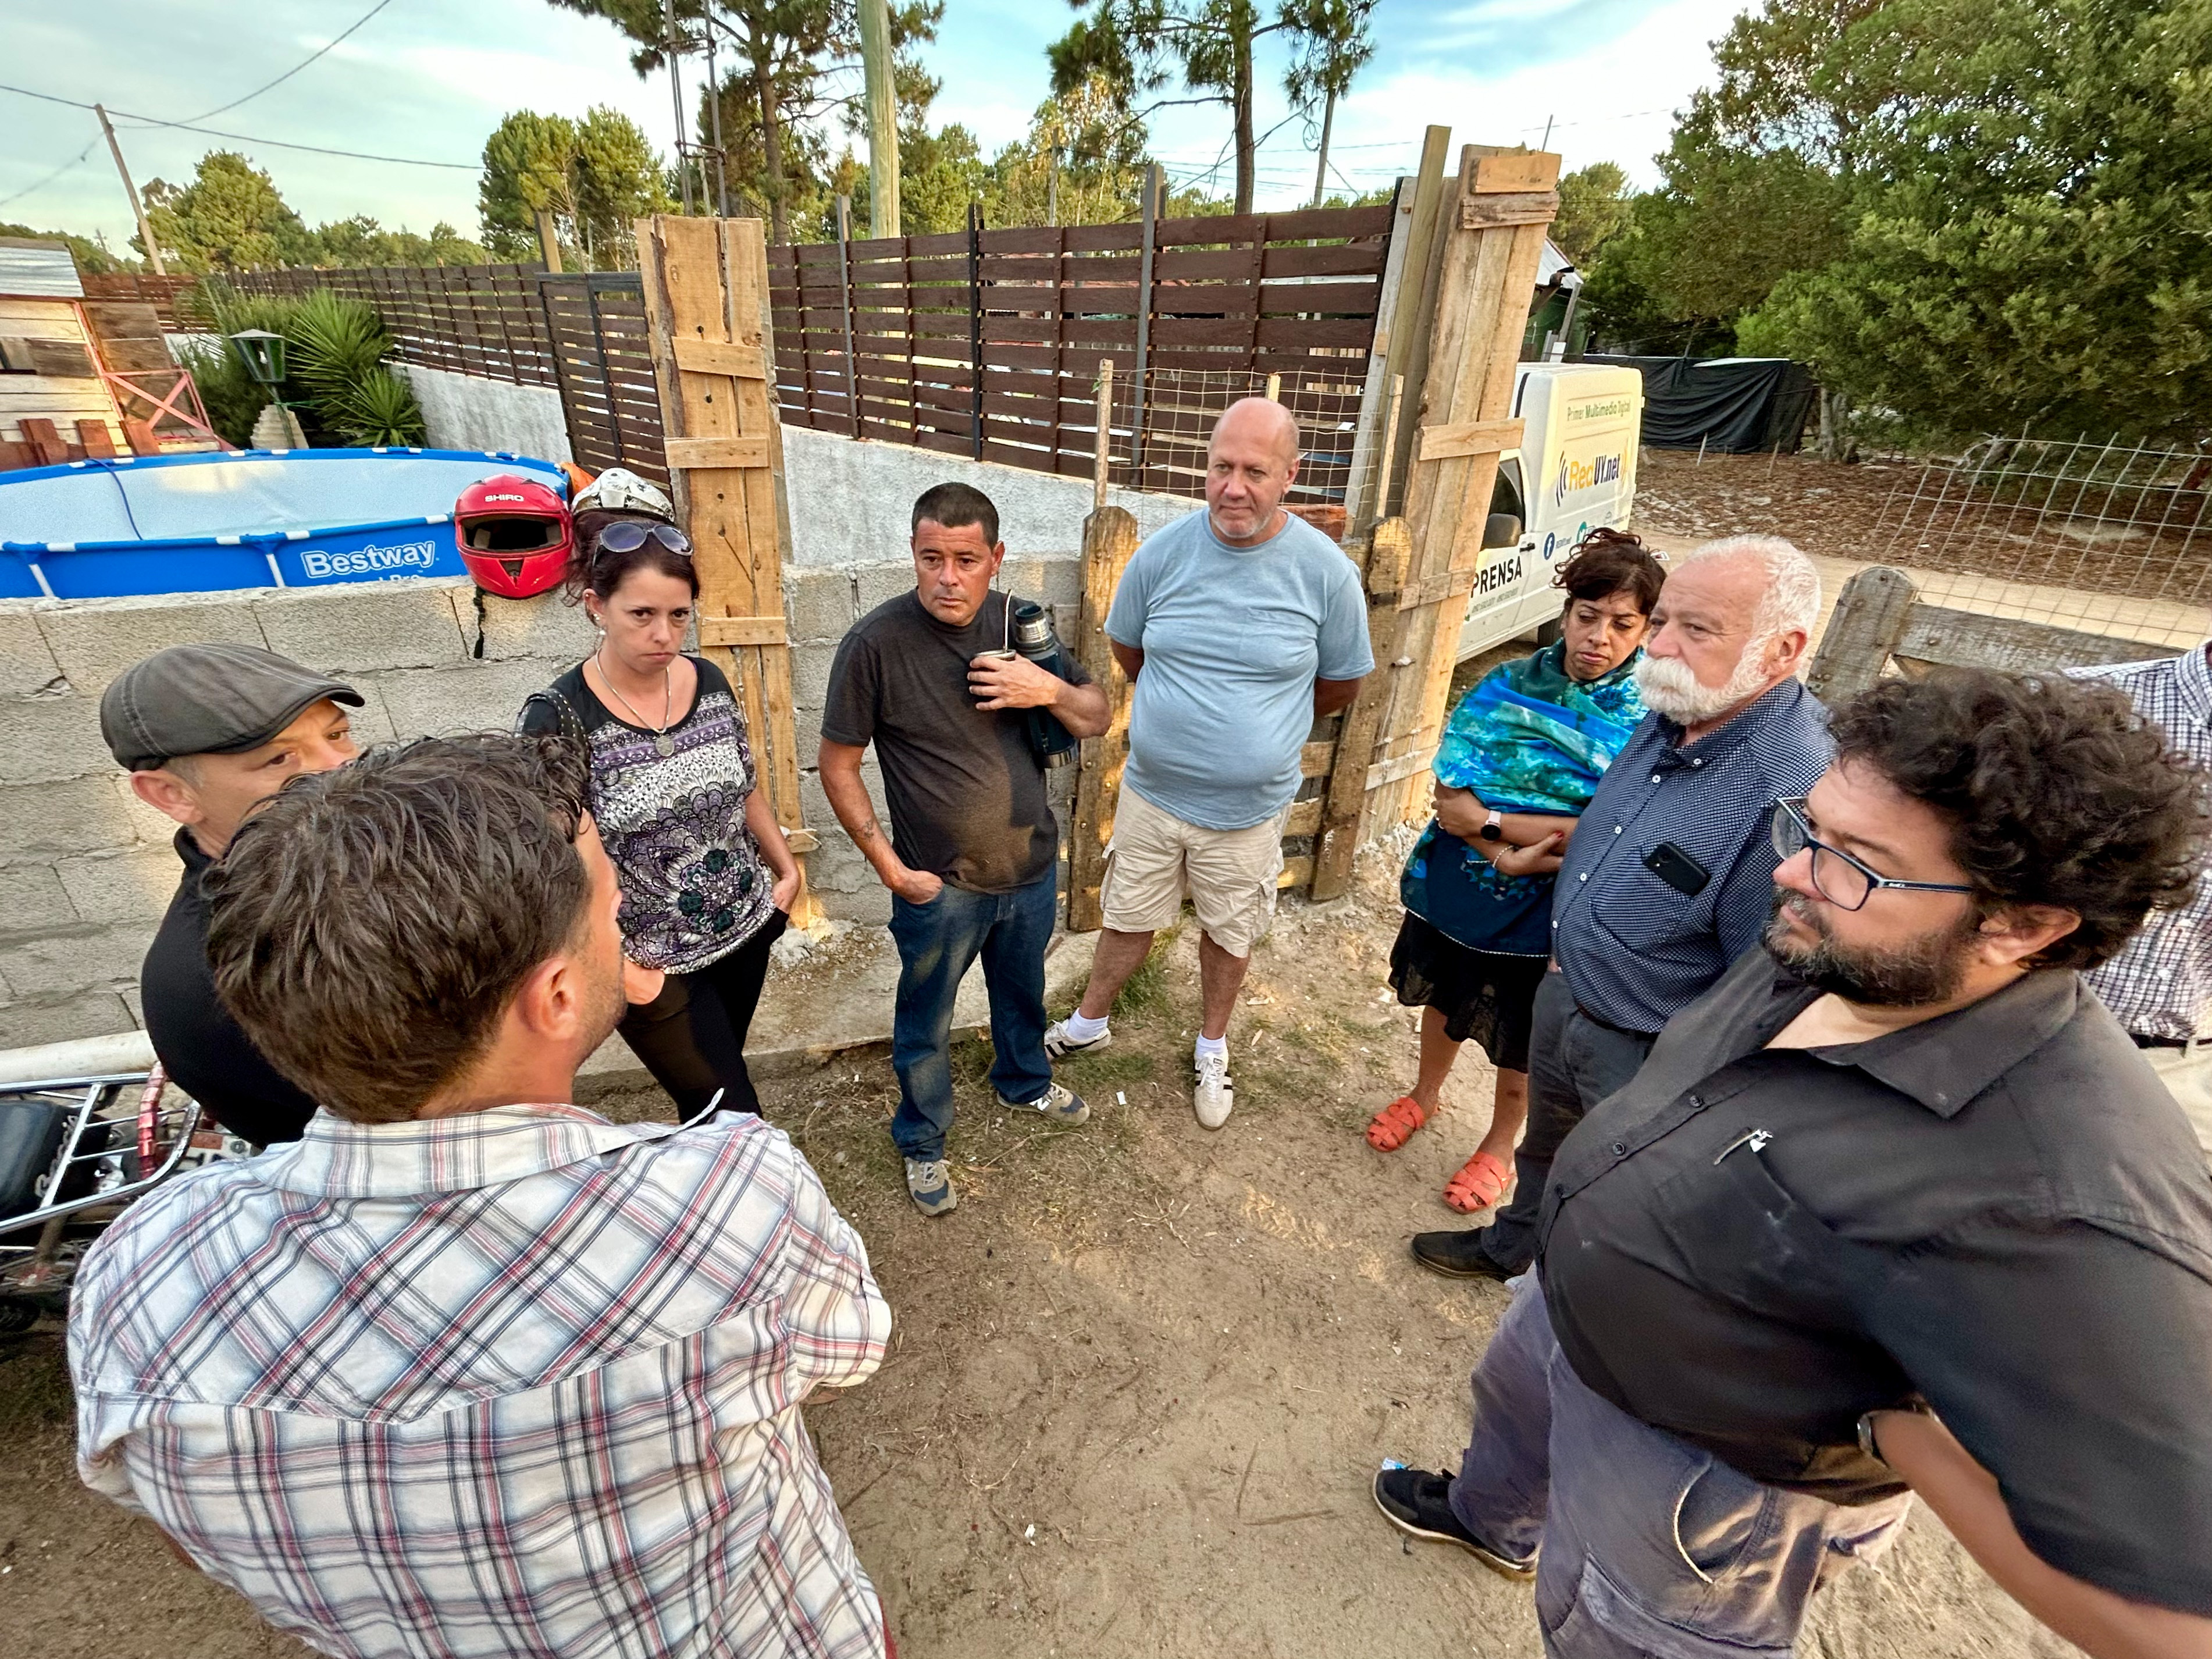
{"points": [[1519, 760]]}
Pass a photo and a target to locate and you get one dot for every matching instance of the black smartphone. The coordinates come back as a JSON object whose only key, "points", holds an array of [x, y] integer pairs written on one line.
{"points": [[1677, 869]]}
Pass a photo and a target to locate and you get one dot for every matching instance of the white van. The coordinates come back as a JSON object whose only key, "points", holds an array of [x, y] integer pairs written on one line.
{"points": [[1575, 472]]}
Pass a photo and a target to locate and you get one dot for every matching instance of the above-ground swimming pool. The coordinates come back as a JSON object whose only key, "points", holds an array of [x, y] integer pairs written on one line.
{"points": [[188, 524]]}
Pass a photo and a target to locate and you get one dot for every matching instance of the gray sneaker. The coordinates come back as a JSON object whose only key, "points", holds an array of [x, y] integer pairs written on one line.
{"points": [[1059, 1045], [1058, 1103], [929, 1184]]}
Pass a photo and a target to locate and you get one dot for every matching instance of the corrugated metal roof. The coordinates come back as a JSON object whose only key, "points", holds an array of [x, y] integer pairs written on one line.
{"points": [[38, 267]]}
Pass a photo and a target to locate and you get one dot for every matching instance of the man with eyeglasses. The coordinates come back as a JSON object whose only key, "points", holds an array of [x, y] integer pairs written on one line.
{"points": [[1665, 880], [1895, 1208]]}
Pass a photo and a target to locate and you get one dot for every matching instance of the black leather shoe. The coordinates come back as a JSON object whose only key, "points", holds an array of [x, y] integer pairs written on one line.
{"points": [[1459, 1254], [1417, 1502]]}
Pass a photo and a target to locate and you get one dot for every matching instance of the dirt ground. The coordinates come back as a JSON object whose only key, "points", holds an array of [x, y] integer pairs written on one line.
{"points": [[1138, 1384]]}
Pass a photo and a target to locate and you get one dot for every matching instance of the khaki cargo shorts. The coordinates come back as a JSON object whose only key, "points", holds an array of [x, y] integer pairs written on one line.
{"points": [[1155, 858]]}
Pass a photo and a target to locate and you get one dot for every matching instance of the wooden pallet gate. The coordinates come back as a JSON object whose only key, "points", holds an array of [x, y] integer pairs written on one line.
{"points": [[706, 299]]}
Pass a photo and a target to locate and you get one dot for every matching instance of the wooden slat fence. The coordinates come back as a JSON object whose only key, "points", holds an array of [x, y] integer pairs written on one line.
{"points": [[484, 320], [987, 343], [601, 346]]}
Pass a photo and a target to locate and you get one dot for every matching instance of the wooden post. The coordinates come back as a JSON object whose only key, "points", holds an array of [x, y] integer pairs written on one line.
{"points": [[1104, 440], [1414, 309], [1379, 504], [1863, 629], [1144, 326], [1109, 538], [548, 241], [1491, 236], [1345, 795], [845, 296], [976, 330], [706, 301]]}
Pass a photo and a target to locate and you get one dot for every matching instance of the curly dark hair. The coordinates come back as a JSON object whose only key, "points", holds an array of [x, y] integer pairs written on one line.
{"points": [[369, 925], [593, 567], [2058, 792], [1608, 562]]}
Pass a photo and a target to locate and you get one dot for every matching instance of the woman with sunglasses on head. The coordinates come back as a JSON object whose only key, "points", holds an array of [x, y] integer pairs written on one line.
{"points": [[707, 879]]}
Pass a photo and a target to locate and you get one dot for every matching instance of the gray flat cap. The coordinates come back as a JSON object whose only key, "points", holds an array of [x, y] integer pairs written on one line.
{"points": [[208, 700]]}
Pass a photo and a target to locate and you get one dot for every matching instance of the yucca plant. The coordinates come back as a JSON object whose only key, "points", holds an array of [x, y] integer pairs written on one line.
{"points": [[380, 410]]}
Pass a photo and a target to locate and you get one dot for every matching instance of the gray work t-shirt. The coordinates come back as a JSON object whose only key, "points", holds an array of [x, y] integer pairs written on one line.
{"points": [[966, 791], [1233, 638]]}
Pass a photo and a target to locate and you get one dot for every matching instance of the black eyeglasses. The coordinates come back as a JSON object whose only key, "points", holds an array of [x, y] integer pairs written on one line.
{"points": [[628, 535], [1837, 875]]}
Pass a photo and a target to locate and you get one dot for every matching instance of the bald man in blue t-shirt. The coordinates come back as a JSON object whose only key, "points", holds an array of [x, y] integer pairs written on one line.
{"points": [[1240, 626]]}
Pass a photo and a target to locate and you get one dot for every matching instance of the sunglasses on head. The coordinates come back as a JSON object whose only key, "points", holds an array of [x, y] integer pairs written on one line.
{"points": [[628, 535]]}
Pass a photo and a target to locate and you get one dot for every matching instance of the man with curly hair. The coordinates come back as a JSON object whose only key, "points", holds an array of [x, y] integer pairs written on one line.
{"points": [[1895, 1208]]}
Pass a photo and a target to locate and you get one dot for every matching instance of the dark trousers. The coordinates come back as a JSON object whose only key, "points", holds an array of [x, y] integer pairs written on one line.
{"points": [[692, 1035], [937, 943], [1574, 1062], [1649, 1546]]}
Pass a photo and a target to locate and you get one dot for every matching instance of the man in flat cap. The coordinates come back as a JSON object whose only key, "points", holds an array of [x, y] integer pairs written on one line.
{"points": [[207, 733]]}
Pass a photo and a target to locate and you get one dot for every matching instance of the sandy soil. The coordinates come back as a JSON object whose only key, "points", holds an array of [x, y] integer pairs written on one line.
{"points": [[1139, 1382]]}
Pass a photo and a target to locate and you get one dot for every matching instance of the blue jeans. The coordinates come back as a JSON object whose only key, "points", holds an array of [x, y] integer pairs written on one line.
{"points": [[937, 942], [1650, 1545]]}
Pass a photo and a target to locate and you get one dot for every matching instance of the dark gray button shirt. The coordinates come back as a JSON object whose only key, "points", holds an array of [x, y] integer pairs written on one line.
{"points": [[2001, 1209], [1633, 949]]}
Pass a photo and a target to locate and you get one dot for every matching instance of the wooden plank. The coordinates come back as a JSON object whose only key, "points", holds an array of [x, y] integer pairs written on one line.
{"points": [[706, 284], [1109, 538], [720, 357], [1386, 548], [1440, 443], [743, 630], [1303, 819], [1507, 172], [1295, 874], [1313, 759], [1533, 207], [1393, 771], [1863, 629], [1435, 589], [687, 454], [1939, 638]]}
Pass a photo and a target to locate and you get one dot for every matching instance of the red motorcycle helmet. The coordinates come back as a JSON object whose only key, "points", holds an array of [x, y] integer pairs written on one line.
{"points": [[513, 535]]}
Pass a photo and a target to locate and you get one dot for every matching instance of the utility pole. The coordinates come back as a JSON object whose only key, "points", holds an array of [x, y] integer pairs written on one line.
{"points": [[138, 211], [1052, 190], [669, 45], [1321, 166], [883, 119]]}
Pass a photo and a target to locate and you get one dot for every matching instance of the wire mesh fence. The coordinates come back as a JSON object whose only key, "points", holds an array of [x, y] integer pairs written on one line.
{"points": [[2106, 538], [1182, 405]]}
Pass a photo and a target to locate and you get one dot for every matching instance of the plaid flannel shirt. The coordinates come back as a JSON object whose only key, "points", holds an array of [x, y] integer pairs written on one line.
{"points": [[2159, 983], [523, 1381]]}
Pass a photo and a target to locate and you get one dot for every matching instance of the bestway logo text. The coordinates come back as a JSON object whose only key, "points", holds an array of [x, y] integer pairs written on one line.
{"points": [[367, 561], [1579, 475]]}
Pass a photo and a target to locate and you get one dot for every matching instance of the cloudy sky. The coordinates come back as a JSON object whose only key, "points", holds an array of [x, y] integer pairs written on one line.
{"points": [[427, 80]]}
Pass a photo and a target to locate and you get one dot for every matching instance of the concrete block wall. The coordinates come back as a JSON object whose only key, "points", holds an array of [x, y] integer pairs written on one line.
{"points": [[460, 411], [86, 870]]}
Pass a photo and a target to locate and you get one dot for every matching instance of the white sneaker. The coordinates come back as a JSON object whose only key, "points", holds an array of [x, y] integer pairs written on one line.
{"points": [[1215, 1095], [1058, 1045]]}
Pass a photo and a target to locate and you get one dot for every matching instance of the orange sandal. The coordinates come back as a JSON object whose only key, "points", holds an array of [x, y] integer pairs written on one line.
{"points": [[1481, 1183], [1394, 1126]]}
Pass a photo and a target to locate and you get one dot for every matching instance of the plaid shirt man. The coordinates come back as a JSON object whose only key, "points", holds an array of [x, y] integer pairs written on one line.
{"points": [[2158, 985], [522, 1382]]}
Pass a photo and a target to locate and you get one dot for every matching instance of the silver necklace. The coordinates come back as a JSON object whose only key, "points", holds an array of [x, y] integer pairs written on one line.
{"points": [[663, 744]]}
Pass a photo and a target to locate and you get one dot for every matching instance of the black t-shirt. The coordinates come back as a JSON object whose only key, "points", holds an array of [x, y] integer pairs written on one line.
{"points": [[2001, 1210], [200, 1045], [966, 793]]}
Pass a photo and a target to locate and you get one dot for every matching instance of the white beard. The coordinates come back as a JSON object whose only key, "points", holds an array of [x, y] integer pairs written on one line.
{"points": [[1670, 688]]}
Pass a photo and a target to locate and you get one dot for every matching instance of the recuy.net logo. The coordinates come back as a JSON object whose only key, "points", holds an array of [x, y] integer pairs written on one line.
{"points": [[1578, 475], [397, 560]]}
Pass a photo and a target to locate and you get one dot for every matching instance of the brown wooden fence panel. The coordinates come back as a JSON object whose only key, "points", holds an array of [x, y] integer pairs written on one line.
{"points": [[602, 352], [884, 339]]}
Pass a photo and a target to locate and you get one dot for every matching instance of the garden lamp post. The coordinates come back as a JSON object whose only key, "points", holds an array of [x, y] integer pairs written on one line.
{"points": [[263, 354]]}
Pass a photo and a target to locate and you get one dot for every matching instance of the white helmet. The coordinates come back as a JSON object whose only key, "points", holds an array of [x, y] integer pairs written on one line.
{"points": [[618, 489]]}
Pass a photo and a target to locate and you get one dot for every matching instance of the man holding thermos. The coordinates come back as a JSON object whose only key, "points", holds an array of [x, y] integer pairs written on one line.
{"points": [[967, 704]]}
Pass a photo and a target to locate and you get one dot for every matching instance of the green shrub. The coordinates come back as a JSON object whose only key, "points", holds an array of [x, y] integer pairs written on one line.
{"points": [[334, 375]]}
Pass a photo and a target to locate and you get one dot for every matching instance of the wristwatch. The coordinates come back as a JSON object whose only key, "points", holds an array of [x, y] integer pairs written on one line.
{"points": [[1913, 1403], [1491, 830]]}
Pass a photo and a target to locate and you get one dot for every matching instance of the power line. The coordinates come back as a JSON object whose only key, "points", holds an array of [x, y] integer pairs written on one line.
{"points": [[243, 138], [295, 68], [77, 159]]}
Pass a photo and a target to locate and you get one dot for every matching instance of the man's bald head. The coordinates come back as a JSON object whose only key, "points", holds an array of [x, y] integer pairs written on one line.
{"points": [[1259, 420], [1250, 462]]}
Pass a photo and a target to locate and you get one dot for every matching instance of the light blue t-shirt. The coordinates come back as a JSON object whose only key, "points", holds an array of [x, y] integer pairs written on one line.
{"points": [[1234, 639]]}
